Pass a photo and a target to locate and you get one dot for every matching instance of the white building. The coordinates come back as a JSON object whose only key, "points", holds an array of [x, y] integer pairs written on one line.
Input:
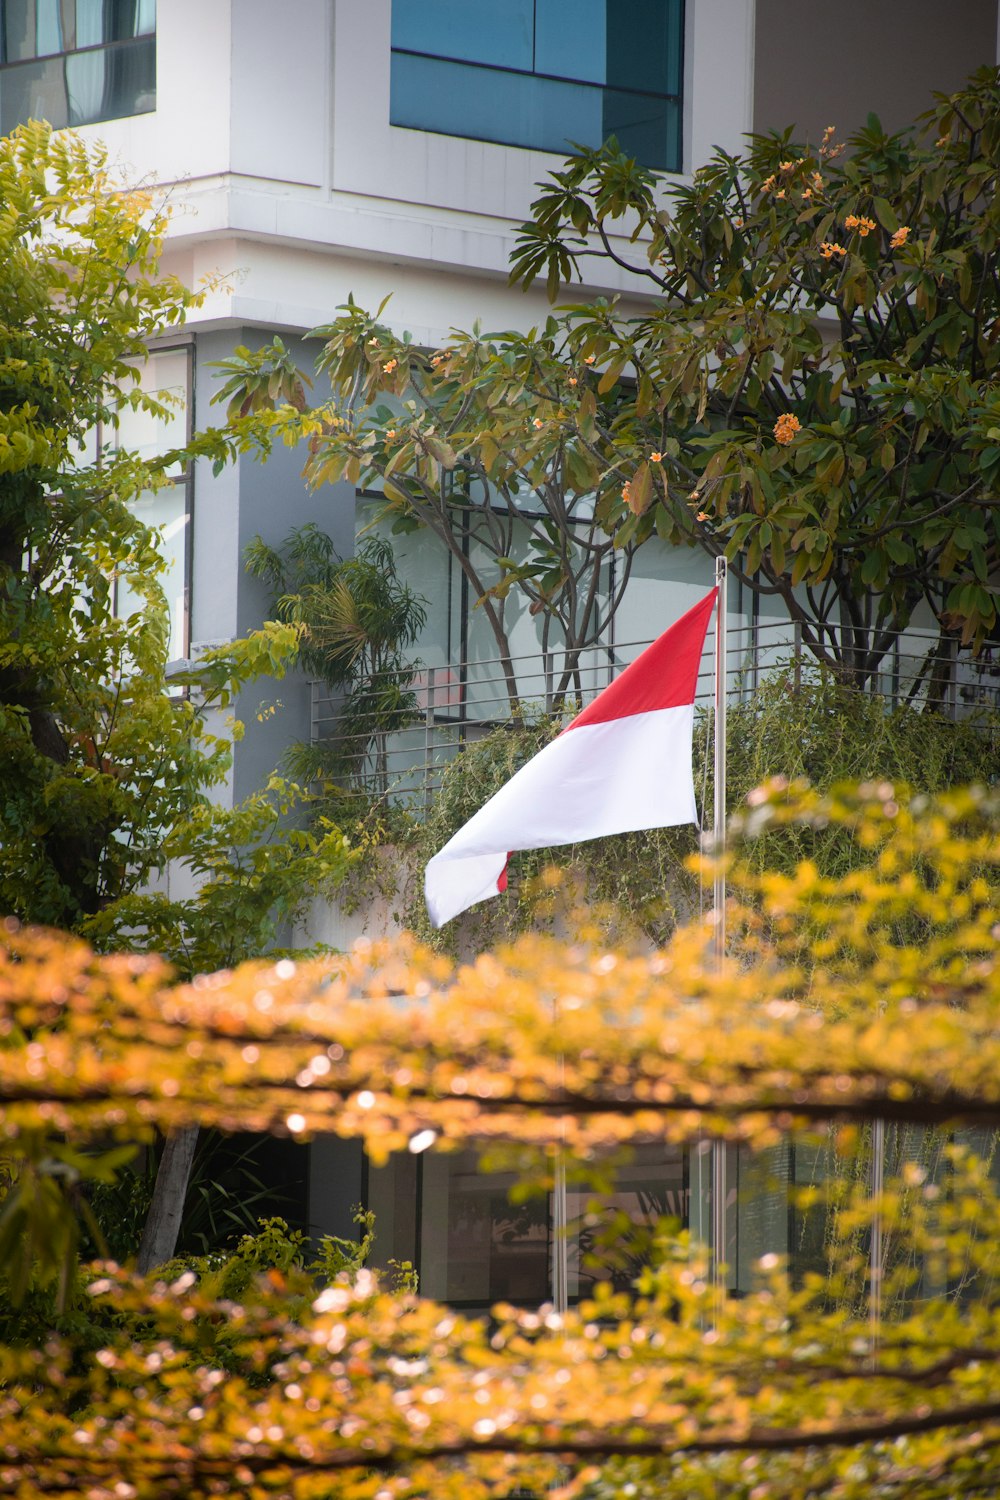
{"points": [[322, 148]]}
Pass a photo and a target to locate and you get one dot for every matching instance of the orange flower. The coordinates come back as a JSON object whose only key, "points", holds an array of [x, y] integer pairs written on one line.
{"points": [[702, 515], [785, 428], [390, 365], [862, 225], [656, 458], [807, 192], [390, 435], [572, 380], [627, 492], [538, 422], [590, 359], [900, 237], [829, 248], [738, 223]]}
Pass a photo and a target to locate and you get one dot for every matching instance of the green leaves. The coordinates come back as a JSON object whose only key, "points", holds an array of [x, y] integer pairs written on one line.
{"points": [[891, 249]]}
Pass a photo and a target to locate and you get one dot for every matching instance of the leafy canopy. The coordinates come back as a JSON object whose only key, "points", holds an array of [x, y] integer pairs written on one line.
{"points": [[106, 766], [354, 1392], [814, 389]]}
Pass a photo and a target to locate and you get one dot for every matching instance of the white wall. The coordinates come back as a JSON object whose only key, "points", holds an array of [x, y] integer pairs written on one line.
{"points": [[271, 135]]}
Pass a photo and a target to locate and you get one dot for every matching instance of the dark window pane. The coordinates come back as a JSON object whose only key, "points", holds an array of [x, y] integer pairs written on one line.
{"points": [[544, 74], [486, 104], [571, 39], [645, 127], [497, 32], [644, 45], [112, 83], [121, 20], [476, 1246], [33, 91], [18, 30], [80, 88]]}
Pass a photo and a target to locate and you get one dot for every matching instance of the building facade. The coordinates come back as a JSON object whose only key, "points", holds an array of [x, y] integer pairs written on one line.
{"points": [[328, 148]]}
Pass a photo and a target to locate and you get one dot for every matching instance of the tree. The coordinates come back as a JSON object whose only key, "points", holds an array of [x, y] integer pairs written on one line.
{"points": [[813, 391], [107, 768], [488, 443], [357, 620], [672, 1390]]}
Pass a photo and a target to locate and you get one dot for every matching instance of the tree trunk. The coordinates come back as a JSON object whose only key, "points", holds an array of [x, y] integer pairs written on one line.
{"points": [[159, 1238]]}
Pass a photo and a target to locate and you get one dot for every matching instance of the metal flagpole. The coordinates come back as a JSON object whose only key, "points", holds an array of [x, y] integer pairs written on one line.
{"points": [[875, 1257], [560, 1229], [719, 1188], [560, 1238]]}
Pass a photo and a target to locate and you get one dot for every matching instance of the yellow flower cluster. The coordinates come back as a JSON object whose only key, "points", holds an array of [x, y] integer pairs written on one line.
{"points": [[900, 237], [785, 171], [830, 248], [862, 225], [829, 150], [785, 428]]}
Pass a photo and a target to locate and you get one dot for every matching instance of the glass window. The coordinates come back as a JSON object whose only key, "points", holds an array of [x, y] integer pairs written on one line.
{"points": [[76, 62], [477, 1247], [48, 28], [164, 511], [498, 33], [166, 374], [18, 30], [545, 74]]}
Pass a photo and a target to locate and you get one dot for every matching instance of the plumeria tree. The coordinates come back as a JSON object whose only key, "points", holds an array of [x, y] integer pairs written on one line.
{"points": [[490, 443], [843, 999], [813, 390]]}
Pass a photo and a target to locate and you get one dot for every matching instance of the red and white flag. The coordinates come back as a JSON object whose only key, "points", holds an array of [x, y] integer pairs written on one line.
{"points": [[623, 764]]}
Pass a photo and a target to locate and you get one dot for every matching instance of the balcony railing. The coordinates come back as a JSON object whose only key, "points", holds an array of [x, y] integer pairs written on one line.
{"points": [[454, 704]]}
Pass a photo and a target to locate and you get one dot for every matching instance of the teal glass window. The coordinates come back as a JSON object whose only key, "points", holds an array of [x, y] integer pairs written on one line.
{"points": [[546, 74], [75, 62]]}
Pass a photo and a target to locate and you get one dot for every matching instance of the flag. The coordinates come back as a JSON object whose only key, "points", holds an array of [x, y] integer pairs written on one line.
{"points": [[623, 764]]}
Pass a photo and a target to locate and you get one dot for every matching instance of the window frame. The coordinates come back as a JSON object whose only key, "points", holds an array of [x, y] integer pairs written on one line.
{"points": [[676, 99]]}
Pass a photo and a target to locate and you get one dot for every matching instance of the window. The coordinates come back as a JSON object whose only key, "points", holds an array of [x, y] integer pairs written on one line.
{"points": [[545, 74], [166, 374], [74, 62], [476, 1247]]}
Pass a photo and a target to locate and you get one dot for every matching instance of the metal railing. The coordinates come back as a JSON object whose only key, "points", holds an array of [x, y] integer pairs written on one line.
{"points": [[451, 705]]}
